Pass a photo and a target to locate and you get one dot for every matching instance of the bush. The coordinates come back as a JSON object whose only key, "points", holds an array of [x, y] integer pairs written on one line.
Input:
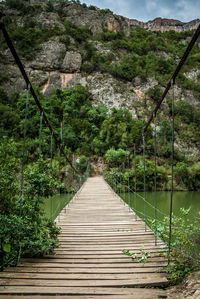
{"points": [[82, 164], [185, 246], [15, 4], [162, 177], [22, 225], [80, 34], [108, 35], [193, 180], [115, 157], [181, 173], [155, 93]]}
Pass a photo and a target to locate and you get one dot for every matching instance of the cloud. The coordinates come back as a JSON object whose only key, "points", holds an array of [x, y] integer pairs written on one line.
{"points": [[144, 10]]}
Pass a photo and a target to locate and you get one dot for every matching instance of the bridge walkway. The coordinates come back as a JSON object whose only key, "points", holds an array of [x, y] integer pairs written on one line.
{"points": [[96, 227]]}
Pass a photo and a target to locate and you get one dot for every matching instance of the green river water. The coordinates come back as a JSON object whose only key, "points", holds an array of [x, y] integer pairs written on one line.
{"points": [[184, 200], [53, 205], [180, 200]]}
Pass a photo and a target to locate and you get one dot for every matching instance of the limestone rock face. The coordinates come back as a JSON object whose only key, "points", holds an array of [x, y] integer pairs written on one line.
{"points": [[95, 20], [50, 57], [49, 20], [38, 77], [53, 82], [72, 62]]}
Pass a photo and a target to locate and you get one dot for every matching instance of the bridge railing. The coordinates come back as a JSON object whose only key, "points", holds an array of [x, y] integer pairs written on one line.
{"points": [[185, 247]]}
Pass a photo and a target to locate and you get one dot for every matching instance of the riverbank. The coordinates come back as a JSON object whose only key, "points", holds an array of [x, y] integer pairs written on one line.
{"points": [[188, 289]]}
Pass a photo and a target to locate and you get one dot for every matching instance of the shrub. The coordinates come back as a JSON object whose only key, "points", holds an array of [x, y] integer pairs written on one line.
{"points": [[185, 247], [15, 4], [82, 164], [78, 33], [115, 157], [181, 173], [155, 93], [22, 225]]}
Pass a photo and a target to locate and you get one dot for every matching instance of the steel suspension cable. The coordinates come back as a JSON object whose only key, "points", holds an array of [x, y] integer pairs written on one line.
{"points": [[152, 218], [135, 168], [51, 161], [123, 180], [40, 135], [155, 177], [144, 161], [22, 166], [59, 161], [129, 196], [172, 178]]}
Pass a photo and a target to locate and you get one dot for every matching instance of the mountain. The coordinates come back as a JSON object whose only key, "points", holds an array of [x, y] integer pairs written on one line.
{"points": [[123, 62], [160, 24]]}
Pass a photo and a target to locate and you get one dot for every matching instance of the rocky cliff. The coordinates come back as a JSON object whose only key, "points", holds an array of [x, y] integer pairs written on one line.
{"points": [[57, 53], [98, 19], [160, 24]]}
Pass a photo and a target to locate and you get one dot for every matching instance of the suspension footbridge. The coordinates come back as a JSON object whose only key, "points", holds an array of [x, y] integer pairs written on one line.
{"points": [[96, 227]]}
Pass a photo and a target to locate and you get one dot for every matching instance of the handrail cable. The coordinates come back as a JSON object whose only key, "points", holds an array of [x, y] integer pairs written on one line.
{"points": [[22, 166], [153, 207]]}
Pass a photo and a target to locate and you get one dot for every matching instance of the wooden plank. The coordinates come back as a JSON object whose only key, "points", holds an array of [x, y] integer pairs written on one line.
{"points": [[158, 281], [79, 291], [93, 256], [151, 295], [85, 270], [87, 276], [87, 265], [101, 253], [92, 261]]}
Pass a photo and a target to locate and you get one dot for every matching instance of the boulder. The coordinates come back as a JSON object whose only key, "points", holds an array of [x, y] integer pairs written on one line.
{"points": [[53, 83], [49, 20], [72, 62], [50, 57]]}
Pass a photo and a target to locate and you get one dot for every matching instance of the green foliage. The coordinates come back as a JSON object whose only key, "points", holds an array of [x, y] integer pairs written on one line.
{"points": [[39, 180], [22, 224], [181, 173], [82, 164], [155, 93], [50, 7], [9, 165], [80, 34], [127, 177], [162, 178], [28, 37], [188, 177], [9, 117], [92, 7], [15, 4], [185, 247], [4, 77], [120, 129], [115, 157], [108, 35], [187, 112], [164, 139], [144, 255]]}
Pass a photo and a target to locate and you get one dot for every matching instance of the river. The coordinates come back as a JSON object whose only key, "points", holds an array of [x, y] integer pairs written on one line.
{"points": [[184, 200], [180, 200]]}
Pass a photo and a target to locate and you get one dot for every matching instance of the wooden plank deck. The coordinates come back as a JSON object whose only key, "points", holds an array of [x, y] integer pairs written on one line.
{"points": [[96, 227]]}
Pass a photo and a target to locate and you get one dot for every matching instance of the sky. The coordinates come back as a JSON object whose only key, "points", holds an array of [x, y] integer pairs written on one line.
{"points": [[145, 10]]}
